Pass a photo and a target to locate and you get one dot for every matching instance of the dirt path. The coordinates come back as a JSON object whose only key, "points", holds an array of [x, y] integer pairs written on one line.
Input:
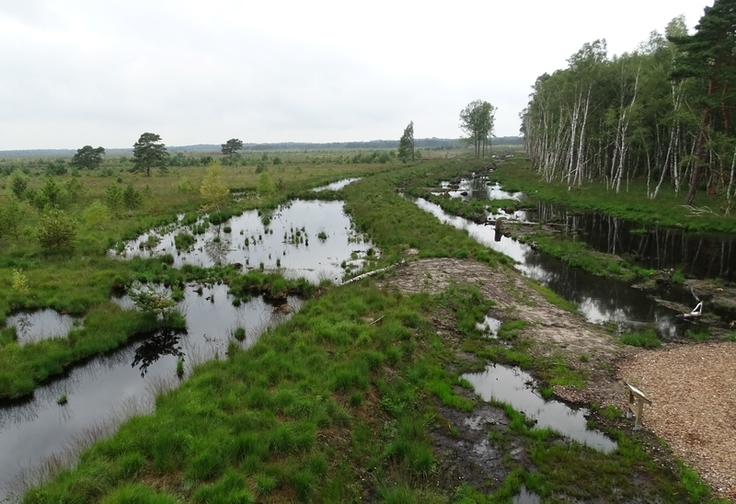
{"points": [[691, 386], [554, 331]]}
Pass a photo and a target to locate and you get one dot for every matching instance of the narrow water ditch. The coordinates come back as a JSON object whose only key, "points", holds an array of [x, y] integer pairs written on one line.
{"points": [[336, 186], [599, 300], [700, 255], [98, 390], [516, 387]]}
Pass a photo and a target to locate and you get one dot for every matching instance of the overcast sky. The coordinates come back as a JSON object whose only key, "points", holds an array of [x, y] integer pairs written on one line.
{"points": [[77, 72]]}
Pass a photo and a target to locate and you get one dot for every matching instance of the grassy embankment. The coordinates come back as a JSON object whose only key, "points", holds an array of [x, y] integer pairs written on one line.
{"points": [[631, 203], [341, 403], [81, 282]]}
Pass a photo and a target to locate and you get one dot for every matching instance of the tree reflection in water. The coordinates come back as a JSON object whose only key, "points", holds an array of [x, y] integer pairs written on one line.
{"points": [[217, 250], [165, 342]]}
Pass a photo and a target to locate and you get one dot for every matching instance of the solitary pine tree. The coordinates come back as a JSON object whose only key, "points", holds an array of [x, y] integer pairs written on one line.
{"points": [[149, 152], [406, 143], [88, 157], [231, 146]]}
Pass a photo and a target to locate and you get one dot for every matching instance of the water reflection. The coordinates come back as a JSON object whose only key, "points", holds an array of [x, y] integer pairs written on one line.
{"points": [[311, 239], [336, 186], [515, 387], [700, 255], [165, 342], [35, 326], [697, 254], [478, 188], [526, 497], [600, 300], [38, 427]]}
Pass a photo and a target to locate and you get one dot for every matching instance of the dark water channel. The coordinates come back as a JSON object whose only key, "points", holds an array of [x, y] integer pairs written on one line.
{"points": [[310, 239], [699, 255], [515, 387], [696, 254], [599, 300], [103, 389]]}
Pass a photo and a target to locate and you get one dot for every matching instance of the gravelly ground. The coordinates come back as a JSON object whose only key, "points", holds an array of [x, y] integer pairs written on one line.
{"points": [[693, 394]]}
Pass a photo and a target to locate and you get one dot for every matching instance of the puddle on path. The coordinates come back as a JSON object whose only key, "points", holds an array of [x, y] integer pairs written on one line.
{"points": [[526, 497], [516, 387], [336, 186], [310, 239], [600, 300], [35, 326], [489, 326], [39, 427]]}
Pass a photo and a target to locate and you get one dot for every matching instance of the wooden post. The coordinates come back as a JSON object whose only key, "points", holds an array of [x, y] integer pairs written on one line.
{"points": [[636, 405]]}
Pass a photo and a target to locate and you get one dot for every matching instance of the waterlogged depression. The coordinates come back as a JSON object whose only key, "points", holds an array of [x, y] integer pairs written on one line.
{"points": [[515, 387], [310, 239], [599, 300], [98, 391], [31, 327]]}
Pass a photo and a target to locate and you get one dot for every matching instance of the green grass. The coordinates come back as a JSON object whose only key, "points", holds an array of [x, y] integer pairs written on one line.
{"points": [[337, 403], [645, 339], [699, 335], [667, 210]]}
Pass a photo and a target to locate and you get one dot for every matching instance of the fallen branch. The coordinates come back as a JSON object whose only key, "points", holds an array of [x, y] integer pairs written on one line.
{"points": [[698, 211], [374, 272]]}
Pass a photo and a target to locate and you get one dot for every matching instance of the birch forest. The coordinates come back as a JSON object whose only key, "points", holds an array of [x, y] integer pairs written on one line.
{"points": [[659, 114]]}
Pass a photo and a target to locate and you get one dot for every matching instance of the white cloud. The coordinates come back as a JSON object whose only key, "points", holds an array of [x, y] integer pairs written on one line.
{"points": [[78, 72]]}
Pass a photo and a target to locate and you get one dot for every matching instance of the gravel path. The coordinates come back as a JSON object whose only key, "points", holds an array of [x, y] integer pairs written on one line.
{"points": [[693, 394]]}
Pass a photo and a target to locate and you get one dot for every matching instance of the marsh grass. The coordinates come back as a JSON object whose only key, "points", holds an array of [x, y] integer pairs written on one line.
{"points": [[646, 339], [340, 401]]}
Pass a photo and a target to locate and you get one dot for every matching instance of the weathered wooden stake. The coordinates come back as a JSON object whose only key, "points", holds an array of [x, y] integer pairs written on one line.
{"points": [[636, 405]]}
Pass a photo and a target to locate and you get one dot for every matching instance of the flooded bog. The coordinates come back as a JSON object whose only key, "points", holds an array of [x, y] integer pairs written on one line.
{"points": [[99, 390], [515, 387], [310, 239], [599, 299]]}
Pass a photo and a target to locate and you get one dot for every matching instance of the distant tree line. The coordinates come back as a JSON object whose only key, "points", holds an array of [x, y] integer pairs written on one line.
{"points": [[660, 113]]}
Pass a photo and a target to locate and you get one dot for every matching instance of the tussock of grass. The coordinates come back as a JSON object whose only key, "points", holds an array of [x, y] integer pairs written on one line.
{"points": [[645, 339]]}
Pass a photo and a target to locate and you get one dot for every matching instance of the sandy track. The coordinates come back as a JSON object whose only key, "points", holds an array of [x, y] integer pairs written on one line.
{"points": [[693, 393]]}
